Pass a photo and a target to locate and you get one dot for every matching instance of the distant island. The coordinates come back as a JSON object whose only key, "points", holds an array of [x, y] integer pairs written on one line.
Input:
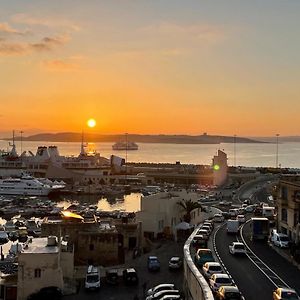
{"points": [[139, 138]]}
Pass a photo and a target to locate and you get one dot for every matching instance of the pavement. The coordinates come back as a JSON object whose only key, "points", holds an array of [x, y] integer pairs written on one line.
{"points": [[164, 250]]}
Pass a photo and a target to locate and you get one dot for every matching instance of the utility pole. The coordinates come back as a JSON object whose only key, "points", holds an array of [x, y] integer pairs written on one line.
{"points": [[234, 149], [277, 136]]}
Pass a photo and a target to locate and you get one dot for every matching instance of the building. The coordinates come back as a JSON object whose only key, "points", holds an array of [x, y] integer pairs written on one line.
{"points": [[220, 168], [160, 213], [101, 242], [288, 206], [44, 262]]}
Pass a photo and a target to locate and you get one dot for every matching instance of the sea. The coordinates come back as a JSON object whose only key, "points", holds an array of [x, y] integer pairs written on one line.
{"points": [[244, 154], [248, 155]]}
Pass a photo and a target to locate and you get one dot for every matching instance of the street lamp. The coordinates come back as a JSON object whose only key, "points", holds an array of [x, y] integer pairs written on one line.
{"points": [[21, 132], [234, 149], [277, 135]]}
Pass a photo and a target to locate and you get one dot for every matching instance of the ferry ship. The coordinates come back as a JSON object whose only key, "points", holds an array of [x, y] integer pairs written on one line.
{"points": [[125, 146]]}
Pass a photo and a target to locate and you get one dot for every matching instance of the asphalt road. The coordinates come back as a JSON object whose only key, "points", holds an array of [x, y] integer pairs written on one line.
{"points": [[249, 279], [122, 292], [288, 272]]}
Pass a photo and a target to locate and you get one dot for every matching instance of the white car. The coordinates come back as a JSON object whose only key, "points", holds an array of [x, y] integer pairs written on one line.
{"points": [[241, 218], [210, 268], [237, 248], [159, 295], [175, 263], [217, 280], [161, 287]]}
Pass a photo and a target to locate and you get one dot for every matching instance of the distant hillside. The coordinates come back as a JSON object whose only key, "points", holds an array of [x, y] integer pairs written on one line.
{"points": [[166, 139], [281, 139]]}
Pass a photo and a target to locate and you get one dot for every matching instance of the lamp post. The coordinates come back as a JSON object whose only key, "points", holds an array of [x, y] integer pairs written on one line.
{"points": [[21, 133], [234, 149], [277, 136]]}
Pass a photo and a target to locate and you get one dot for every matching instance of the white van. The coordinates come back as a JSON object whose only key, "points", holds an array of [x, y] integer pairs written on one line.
{"points": [[92, 278], [279, 239]]}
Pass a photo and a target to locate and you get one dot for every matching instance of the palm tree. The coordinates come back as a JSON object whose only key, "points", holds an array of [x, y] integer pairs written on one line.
{"points": [[188, 206]]}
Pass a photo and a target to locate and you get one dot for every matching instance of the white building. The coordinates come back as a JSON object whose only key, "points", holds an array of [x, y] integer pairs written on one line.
{"points": [[160, 212], [43, 263]]}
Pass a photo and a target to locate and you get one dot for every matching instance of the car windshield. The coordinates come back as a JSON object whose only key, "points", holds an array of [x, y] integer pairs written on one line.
{"points": [[284, 238], [223, 280], [289, 296], [215, 268], [92, 278]]}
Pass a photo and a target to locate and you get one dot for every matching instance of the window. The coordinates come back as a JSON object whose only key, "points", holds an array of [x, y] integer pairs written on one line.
{"points": [[92, 247], [284, 193], [284, 215], [37, 273]]}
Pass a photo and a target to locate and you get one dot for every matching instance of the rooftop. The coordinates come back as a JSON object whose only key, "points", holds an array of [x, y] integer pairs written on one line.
{"points": [[39, 245]]}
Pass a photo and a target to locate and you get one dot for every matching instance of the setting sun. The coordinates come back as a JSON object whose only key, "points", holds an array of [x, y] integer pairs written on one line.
{"points": [[91, 123]]}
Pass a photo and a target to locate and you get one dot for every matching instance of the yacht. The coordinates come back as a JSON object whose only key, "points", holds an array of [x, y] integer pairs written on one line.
{"points": [[26, 185], [125, 146]]}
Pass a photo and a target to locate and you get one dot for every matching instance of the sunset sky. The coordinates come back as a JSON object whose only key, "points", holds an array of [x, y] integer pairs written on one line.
{"points": [[150, 66]]}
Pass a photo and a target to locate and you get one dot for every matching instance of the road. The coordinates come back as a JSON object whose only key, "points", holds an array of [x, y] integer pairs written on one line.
{"points": [[288, 272], [122, 292], [249, 279]]}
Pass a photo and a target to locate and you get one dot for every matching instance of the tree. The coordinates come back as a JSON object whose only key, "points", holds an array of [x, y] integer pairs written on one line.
{"points": [[188, 206]]}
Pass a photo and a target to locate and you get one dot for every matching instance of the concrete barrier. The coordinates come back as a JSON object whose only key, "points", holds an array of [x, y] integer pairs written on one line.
{"points": [[195, 285]]}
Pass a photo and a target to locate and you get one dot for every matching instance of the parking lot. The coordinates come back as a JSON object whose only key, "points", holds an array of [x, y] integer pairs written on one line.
{"points": [[164, 251]]}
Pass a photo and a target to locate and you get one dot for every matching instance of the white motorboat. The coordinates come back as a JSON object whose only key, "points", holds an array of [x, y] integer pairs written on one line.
{"points": [[125, 146], [26, 186]]}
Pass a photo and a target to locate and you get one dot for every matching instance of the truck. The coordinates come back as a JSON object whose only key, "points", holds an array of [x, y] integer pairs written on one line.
{"points": [[269, 212], [232, 226], [259, 228]]}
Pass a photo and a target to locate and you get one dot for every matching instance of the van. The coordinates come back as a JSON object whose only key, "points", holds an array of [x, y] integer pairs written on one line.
{"points": [[279, 239], [92, 278]]}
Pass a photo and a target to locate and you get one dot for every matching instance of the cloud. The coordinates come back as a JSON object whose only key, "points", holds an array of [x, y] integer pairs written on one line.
{"points": [[49, 43], [8, 30], [205, 32], [13, 49], [47, 22], [21, 48], [60, 65]]}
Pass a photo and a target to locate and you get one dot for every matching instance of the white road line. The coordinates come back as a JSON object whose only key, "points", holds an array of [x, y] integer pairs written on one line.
{"points": [[261, 262]]}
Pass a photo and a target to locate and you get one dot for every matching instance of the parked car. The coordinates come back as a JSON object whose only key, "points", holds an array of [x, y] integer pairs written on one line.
{"points": [[206, 227], [112, 277], [161, 287], [285, 294], [237, 248], [175, 263], [210, 268], [279, 239], [153, 263], [202, 256], [130, 276], [171, 297], [92, 278], [229, 293], [160, 294], [218, 280], [204, 233], [199, 241]]}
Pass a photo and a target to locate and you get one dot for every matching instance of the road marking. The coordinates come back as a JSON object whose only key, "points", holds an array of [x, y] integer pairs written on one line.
{"points": [[259, 261]]}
